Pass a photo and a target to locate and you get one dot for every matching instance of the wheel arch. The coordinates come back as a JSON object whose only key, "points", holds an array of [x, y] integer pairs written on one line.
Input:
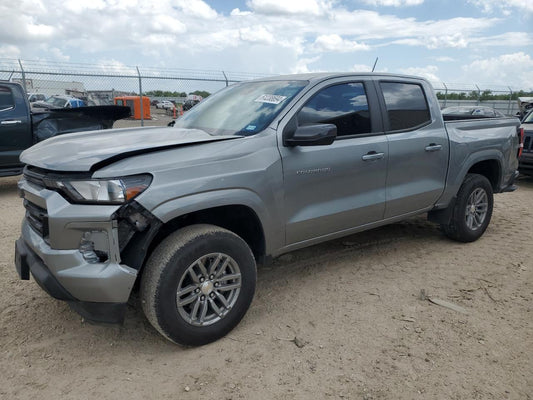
{"points": [[490, 169], [237, 218], [240, 219], [487, 164]]}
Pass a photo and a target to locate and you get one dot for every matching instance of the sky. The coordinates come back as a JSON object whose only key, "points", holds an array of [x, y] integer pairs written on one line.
{"points": [[487, 42]]}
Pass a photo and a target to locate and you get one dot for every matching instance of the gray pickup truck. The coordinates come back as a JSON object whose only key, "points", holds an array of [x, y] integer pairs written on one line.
{"points": [[261, 168]]}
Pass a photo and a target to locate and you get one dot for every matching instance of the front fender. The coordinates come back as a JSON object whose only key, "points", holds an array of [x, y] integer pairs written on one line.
{"points": [[177, 207]]}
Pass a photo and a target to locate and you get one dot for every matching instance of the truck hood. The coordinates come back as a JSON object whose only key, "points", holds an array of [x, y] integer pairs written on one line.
{"points": [[88, 151]]}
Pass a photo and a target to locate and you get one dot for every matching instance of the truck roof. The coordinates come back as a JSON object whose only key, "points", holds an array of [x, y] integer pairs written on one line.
{"points": [[320, 76]]}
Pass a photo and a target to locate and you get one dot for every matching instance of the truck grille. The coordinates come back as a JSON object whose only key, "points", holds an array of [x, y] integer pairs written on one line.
{"points": [[34, 176], [37, 218]]}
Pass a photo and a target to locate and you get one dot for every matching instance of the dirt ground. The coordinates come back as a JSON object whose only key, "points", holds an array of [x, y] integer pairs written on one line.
{"points": [[341, 320]]}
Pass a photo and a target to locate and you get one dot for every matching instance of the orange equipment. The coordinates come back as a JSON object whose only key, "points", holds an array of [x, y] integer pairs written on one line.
{"points": [[134, 103]]}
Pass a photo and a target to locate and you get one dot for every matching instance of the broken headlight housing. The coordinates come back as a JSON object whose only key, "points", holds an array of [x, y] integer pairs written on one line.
{"points": [[101, 191]]}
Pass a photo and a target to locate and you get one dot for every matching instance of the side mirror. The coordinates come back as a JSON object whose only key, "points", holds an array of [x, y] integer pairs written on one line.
{"points": [[312, 135]]}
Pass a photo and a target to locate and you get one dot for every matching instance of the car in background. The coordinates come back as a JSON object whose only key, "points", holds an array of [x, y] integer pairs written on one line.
{"points": [[154, 103], [525, 105], [189, 104], [479, 111], [33, 97], [59, 102], [165, 104], [525, 162], [22, 125]]}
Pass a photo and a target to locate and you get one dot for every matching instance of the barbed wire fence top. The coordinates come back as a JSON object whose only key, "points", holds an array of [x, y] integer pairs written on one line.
{"points": [[101, 83]]}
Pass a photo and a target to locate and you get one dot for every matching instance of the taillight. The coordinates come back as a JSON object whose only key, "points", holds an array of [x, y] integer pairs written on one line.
{"points": [[521, 135]]}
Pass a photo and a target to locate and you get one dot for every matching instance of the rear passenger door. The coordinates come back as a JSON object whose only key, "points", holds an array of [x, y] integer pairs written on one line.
{"points": [[333, 188], [418, 147]]}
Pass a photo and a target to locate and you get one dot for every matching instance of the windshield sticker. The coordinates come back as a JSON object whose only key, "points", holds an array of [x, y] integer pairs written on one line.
{"points": [[270, 99], [250, 128]]}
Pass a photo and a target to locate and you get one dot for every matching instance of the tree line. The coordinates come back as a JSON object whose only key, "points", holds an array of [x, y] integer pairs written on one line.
{"points": [[484, 95], [167, 93]]}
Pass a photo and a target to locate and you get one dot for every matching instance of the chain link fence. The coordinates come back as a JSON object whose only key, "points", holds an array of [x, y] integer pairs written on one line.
{"points": [[501, 98], [102, 84], [98, 84]]}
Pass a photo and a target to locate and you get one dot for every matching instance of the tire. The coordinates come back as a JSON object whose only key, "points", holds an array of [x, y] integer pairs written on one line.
{"points": [[207, 307], [472, 210]]}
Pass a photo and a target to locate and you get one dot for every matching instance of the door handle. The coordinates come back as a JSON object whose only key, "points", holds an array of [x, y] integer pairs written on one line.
{"points": [[434, 147], [11, 122], [372, 155]]}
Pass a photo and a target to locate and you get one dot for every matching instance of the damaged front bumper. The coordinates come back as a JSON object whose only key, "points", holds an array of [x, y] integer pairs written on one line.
{"points": [[53, 247]]}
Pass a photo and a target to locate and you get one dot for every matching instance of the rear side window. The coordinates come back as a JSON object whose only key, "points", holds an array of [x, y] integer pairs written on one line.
{"points": [[406, 104], [7, 102], [344, 105]]}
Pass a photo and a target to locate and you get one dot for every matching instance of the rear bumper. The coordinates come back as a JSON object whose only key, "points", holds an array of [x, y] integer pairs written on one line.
{"points": [[27, 261]]}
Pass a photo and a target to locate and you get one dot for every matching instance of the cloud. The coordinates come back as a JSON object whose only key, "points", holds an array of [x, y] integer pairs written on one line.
{"points": [[459, 41], [112, 66], [237, 12], [361, 68], [290, 7], [9, 51], [56, 54], [444, 59], [507, 39], [167, 24], [507, 69], [259, 34], [270, 36], [503, 6], [192, 26], [335, 43], [429, 72], [196, 8], [456, 40], [393, 3], [302, 65]]}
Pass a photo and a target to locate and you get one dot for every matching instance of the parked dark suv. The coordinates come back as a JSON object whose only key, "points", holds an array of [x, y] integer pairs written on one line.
{"points": [[526, 159]]}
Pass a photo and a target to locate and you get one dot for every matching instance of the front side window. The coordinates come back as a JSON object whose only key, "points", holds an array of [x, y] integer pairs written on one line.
{"points": [[243, 109], [7, 102], [344, 105], [406, 104]]}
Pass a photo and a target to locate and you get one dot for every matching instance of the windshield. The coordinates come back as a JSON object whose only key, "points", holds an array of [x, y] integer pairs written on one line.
{"points": [[243, 109], [528, 119]]}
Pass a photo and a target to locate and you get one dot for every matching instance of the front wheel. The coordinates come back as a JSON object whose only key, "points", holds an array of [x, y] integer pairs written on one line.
{"points": [[198, 284], [472, 210]]}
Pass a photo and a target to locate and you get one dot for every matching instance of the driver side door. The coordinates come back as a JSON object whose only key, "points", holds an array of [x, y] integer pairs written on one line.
{"points": [[333, 188]]}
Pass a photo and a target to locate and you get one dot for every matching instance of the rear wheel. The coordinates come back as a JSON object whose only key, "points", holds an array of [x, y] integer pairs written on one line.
{"points": [[472, 210], [198, 284]]}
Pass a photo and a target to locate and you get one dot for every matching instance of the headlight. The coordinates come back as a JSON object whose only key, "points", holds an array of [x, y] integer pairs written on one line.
{"points": [[102, 191]]}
